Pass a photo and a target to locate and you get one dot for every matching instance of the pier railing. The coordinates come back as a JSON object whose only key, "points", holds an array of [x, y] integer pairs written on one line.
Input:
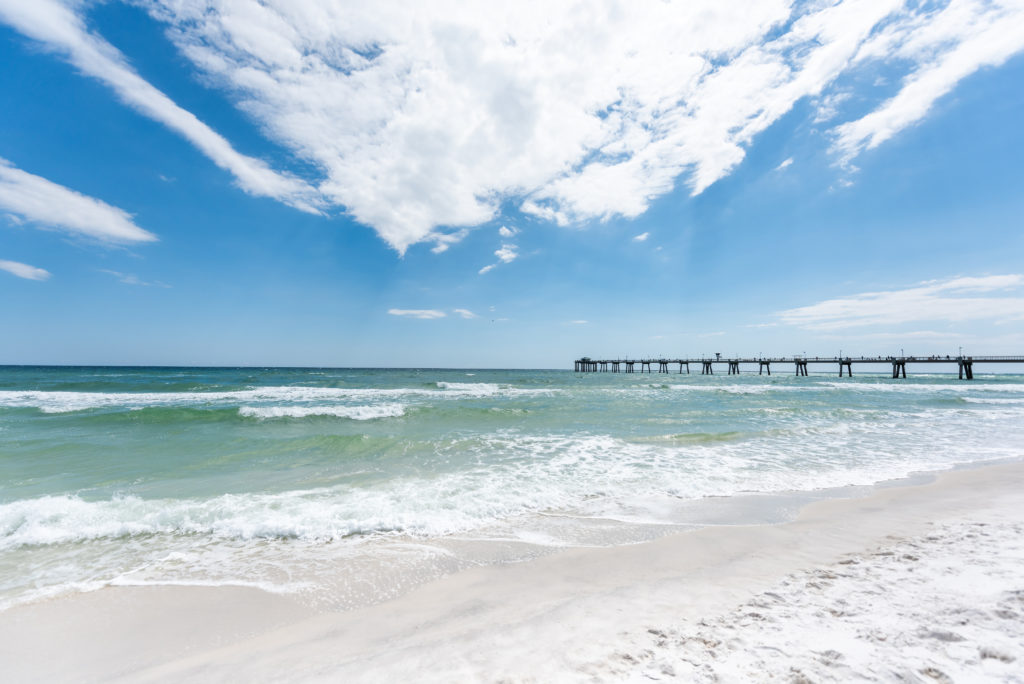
{"points": [[965, 364]]}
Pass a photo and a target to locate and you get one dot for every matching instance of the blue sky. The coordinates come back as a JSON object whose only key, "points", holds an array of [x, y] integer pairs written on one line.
{"points": [[301, 183]]}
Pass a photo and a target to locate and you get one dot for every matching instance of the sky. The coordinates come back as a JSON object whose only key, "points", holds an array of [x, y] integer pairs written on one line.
{"points": [[507, 185]]}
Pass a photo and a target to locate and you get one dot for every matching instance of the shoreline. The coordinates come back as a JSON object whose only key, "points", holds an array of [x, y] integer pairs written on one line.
{"points": [[549, 616]]}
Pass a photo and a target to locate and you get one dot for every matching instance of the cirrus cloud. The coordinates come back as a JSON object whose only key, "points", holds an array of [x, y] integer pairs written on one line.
{"points": [[423, 120], [24, 270], [61, 28], [426, 314], [48, 205], [952, 300]]}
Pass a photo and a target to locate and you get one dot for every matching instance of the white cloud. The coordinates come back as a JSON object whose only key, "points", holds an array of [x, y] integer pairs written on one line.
{"points": [[952, 300], [579, 322], [827, 106], [24, 270], [417, 313], [424, 119], [507, 232], [129, 279], [948, 45], [641, 237], [465, 313], [61, 29], [784, 164], [432, 114], [909, 335], [40, 201], [507, 254], [442, 241]]}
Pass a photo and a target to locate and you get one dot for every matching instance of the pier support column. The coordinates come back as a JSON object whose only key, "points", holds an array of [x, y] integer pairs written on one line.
{"points": [[899, 369], [663, 366], [643, 364], [707, 370], [801, 367], [849, 368], [966, 370], [763, 366], [734, 368]]}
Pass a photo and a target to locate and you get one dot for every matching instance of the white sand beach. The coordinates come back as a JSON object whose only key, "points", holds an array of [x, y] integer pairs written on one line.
{"points": [[916, 582]]}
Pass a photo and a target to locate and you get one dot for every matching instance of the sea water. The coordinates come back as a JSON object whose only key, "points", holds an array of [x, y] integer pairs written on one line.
{"points": [[348, 486]]}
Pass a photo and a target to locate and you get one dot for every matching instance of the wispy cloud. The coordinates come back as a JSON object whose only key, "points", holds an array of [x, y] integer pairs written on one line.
{"points": [[129, 279], [642, 237], [506, 254], [946, 45], [900, 336], [424, 120], [42, 202], [953, 300], [24, 270], [578, 322], [465, 313], [507, 232], [61, 29], [418, 313], [784, 164]]}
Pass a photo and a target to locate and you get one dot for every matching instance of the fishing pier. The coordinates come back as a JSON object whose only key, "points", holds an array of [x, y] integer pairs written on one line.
{"points": [[965, 364]]}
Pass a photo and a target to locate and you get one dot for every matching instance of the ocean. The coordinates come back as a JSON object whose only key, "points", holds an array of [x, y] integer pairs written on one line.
{"points": [[344, 487]]}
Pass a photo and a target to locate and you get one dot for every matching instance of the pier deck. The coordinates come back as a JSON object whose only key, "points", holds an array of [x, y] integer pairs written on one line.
{"points": [[965, 364]]}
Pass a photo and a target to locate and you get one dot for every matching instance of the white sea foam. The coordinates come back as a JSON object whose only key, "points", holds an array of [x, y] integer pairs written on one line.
{"points": [[352, 412], [63, 402], [744, 389], [515, 474], [477, 387], [994, 400], [927, 387]]}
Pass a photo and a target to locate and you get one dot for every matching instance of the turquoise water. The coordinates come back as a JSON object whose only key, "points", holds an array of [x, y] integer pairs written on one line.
{"points": [[348, 485]]}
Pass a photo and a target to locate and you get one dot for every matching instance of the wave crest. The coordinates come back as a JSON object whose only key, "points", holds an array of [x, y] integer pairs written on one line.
{"points": [[351, 412]]}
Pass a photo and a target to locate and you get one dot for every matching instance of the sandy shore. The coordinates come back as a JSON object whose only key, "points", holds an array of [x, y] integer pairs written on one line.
{"points": [[910, 581]]}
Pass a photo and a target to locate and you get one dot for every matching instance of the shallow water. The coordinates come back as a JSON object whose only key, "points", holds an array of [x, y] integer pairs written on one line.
{"points": [[348, 486]]}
